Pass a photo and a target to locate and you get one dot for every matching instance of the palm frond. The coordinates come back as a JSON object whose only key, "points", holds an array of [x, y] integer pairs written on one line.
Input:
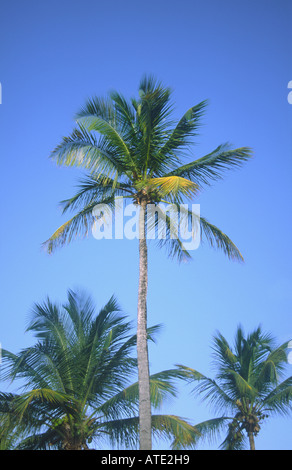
{"points": [[80, 225], [99, 107], [172, 242], [111, 134], [122, 432], [49, 396], [211, 428], [182, 434], [239, 387], [218, 398], [24, 365], [171, 235], [270, 369], [180, 136], [224, 358], [279, 400], [47, 440], [162, 386], [94, 189], [162, 225], [212, 167], [189, 374], [208, 388], [126, 119], [152, 111]]}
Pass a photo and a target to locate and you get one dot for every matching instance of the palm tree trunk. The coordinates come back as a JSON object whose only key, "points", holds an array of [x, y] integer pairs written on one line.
{"points": [[142, 348], [251, 441]]}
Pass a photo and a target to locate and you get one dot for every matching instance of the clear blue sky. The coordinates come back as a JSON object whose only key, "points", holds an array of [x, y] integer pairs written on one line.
{"points": [[237, 54]]}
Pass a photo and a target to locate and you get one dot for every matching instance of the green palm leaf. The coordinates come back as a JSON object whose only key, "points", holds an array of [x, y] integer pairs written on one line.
{"points": [[218, 239], [186, 128], [82, 149], [279, 400], [212, 167]]}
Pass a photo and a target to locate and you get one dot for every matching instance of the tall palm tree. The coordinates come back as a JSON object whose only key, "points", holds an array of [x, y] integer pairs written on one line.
{"points": [[248, 387], [77, 383], [132, 149]]}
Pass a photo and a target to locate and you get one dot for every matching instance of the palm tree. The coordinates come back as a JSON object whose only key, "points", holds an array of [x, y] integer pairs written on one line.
{"points": [[76, 383], [132, 149], [248, 387]]}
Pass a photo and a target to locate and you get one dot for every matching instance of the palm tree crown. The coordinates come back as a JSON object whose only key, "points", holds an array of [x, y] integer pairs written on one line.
{"points": [[248, 387], [77, 382], [134, 149]]}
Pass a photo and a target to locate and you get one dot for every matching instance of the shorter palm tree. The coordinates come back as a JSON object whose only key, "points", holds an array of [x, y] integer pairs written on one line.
{"points": [[247, 389], [77, 385]]}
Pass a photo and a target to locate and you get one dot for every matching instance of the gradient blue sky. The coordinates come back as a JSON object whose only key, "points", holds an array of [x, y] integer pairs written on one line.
{"points": [[237, 54]]}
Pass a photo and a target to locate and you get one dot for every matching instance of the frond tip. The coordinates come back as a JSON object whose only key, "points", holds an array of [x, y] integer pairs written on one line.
{"points": [[217, 239], [78, 225]]}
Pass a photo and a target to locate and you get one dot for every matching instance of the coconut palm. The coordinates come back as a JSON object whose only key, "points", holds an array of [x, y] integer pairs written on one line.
{"points": [[132, 149], [77, 385], [247, 388]]}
